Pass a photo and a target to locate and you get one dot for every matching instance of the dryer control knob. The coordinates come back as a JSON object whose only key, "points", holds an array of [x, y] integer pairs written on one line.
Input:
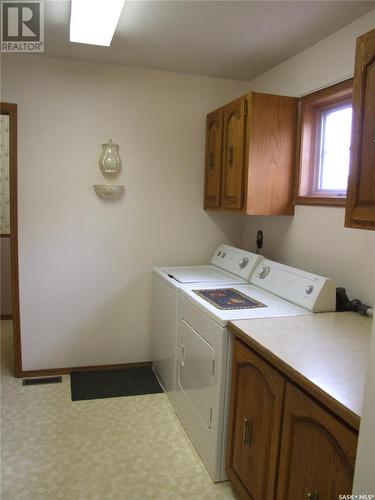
{"points": [[223, 255], [243, 262], [309, 289], [263, 272], [218, 253]]}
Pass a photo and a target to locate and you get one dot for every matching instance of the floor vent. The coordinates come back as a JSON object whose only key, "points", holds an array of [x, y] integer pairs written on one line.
{"points": [[40, 381]]}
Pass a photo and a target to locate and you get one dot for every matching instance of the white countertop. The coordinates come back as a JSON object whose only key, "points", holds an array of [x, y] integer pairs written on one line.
{"points": [[330, 350]]}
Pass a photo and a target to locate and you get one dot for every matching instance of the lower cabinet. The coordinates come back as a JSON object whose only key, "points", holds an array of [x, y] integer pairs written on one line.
{"points": [[254, 429], [317, 451], [281, 443]]}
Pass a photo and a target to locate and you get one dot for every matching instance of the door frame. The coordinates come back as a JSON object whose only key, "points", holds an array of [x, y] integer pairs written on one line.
{"points": [[10, 109]]}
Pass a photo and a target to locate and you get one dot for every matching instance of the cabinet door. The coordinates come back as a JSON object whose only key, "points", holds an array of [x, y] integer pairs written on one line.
{"points": [[213, 168], [317, 452], [254, 425], [271, 138], [360, 209], [233, 154]]}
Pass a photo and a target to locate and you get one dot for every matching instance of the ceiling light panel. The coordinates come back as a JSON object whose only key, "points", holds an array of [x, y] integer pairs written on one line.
{"points": [[94, 21]]}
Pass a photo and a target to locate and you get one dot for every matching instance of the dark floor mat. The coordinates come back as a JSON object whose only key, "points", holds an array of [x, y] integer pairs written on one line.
{"points": [[113, 383]]}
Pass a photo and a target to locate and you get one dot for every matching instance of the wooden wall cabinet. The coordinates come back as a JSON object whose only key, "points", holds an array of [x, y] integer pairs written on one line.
{"points": [[250, 155], [282, 444], [360, 207], [233, 152], [214, 142]]}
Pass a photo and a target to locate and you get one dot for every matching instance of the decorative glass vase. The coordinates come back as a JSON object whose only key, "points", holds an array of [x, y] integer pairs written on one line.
{"points": [[109, 161]]}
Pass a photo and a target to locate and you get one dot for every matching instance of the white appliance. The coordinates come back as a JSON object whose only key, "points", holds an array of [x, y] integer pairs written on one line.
{"points": [[228, 265], [203, 378]]}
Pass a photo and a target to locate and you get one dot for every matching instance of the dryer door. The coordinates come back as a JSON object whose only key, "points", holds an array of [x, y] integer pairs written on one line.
{"points": [[196, 372]]}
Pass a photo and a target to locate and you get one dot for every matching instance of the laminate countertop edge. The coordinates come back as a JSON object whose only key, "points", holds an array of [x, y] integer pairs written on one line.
{"points": [[248, 332]]}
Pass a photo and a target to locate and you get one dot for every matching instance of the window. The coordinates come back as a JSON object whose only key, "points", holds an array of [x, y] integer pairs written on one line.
{"points": [[325, 121]]}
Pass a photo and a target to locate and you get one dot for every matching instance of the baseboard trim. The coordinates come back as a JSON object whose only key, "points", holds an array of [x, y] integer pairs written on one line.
{"points": [[67, 370], [6, 316]]}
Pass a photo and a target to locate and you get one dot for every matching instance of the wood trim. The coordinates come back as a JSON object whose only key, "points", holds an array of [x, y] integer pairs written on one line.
{"points": [[340, 411], [5, 316], [327, 201], [311, 107], [323, 97], [10, 109], [67, 370], [5, 235]]}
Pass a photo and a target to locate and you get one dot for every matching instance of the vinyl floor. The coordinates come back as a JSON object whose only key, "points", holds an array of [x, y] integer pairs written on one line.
{"points": [[123, 448]]}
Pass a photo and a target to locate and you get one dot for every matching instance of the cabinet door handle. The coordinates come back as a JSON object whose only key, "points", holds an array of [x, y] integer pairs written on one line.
{"points": [[314, 495], [210, 161], [247, 431], [230, 154]]}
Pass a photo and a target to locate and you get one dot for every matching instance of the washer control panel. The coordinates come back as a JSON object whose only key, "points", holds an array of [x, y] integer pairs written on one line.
{"points": [[310, 291]]}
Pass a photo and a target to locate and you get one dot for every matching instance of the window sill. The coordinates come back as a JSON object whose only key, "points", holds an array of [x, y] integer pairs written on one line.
{"points": [[327, 201]]}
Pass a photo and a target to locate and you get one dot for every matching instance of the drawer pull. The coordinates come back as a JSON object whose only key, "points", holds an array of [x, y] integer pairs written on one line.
{"points": [[247, 431]]}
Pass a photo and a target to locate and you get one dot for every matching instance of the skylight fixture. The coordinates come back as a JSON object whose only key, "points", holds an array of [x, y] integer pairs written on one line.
{"points": [[94, 21]]}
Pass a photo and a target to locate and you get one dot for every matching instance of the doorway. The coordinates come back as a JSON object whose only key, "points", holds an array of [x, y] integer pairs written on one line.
{"points": [[9, 227]]}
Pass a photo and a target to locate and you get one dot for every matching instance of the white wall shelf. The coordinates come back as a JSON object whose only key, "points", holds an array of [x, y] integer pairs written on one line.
{"points": [[109, 191]]}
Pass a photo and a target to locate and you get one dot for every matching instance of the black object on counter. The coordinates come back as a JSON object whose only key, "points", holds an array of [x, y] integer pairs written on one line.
{"points": [[259, 240], [344, 304]]}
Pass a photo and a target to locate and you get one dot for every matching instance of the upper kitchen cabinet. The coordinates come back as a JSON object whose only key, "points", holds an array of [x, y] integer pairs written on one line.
{"points": [[233, 154], [250, 166], [213, 172], [360, 207]]}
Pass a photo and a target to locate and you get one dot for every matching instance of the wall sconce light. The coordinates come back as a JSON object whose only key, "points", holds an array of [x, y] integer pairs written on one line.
{"points": [[109, 163]]}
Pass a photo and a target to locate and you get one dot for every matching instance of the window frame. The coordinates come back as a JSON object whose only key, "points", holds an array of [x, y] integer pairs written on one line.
{"points": [[311, 109]]}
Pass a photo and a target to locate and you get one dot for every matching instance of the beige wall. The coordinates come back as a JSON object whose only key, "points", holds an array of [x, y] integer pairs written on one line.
{"points": [[315, 238], [85, 264]]}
